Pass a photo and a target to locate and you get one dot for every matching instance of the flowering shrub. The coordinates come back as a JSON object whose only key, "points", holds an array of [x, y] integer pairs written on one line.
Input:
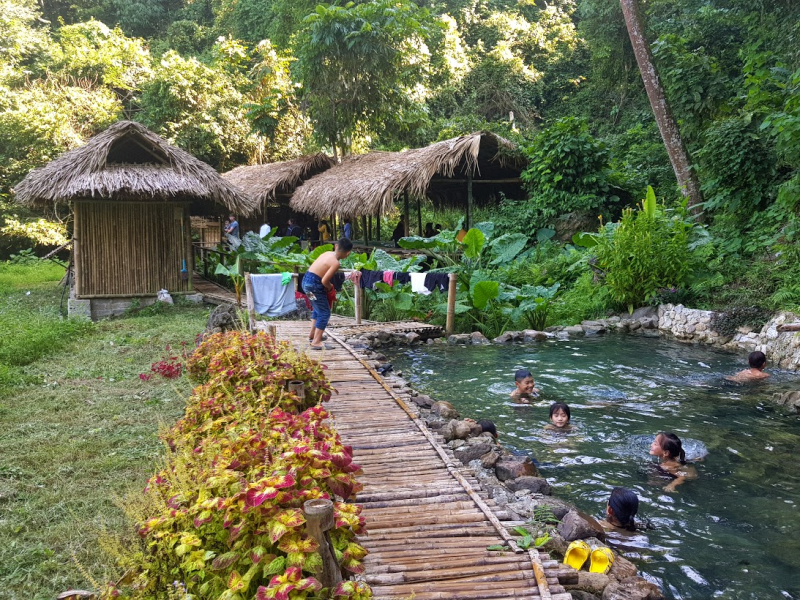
{"points": [[224, 515]]}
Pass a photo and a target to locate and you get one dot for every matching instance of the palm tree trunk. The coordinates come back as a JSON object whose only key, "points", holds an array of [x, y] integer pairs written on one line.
{"points": [[678, 156]]}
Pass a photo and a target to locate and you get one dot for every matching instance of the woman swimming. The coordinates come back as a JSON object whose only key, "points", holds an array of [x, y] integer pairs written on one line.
{"points": [[559, 418], [623, 504], [672, 459]]}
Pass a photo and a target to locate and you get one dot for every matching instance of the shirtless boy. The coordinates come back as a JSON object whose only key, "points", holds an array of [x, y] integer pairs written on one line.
{"points": [[757, 361], [317, 283]]}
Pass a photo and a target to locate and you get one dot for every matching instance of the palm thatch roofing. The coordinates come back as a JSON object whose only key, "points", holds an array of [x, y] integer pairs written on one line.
{"points": [[128, 162], [265, 183], [368, 184]]}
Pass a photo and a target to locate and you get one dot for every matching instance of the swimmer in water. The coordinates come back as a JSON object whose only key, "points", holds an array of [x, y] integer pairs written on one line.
{"points": [[559, 418], [623, 504], [672, 459], [757, 361], [525, 390]]}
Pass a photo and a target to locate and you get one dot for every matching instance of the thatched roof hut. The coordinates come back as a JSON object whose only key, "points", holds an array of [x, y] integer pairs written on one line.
{"points": [[266, 184], [131, 194], [128, 162], [452, 172]]}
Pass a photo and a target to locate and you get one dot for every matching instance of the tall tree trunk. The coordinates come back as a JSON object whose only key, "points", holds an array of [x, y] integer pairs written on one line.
{"points": [[678, 156]]}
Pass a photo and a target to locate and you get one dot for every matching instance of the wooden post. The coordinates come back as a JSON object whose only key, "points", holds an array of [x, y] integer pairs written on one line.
{"points": [[364, 227], [369, 226], [319, 519], [419, 217], [451, 303], [76, 247], [469, 201], [204, 257], [405, 214], [378, 227], [298, 387], [358, 299], [272, 330], [251, 303]]}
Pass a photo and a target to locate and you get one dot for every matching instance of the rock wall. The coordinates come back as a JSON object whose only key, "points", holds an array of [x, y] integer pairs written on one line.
{"points": [[692, 325]]}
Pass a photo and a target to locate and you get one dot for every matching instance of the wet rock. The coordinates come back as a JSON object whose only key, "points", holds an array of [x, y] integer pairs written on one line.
{"points": [[537, 485], [470, 452], [645, 311], [412, 337], [430, 341], [593, 583], [478, 338], [622, 568], [576, 525], [459, 339], [444, 410], [423, 401], [456, 444], [488, 461], [632, 588], [574, 330], [559, 507], [511, 467], [562, 335], [593, 327], [447, 431], [531, 335], [556, 544], [504, 338], [581, 595], [384, 336], [788, 399], [462, 430], [652, 323]]}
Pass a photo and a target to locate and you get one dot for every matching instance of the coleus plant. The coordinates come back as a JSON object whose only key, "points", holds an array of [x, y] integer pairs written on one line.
{"points": [[224, 515]]}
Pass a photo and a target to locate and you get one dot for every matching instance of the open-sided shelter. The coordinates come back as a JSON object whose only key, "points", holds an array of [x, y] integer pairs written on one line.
{"points": [[463, 171], [131, 194], [272, 185]]}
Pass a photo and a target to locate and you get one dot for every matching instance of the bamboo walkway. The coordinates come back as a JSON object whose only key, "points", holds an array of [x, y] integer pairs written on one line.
{"points": [[428, 525]]}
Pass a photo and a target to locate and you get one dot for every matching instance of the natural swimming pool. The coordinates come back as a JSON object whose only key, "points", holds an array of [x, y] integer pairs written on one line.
{"points": [[732, 533]]}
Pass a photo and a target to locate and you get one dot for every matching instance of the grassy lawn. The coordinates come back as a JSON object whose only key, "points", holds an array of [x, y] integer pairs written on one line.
{"points": [[78, 427]]}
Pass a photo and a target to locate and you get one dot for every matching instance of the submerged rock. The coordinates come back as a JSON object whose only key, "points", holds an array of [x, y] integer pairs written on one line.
{"points": [[532, 335], [459, 338], [477, 338], [444, 409]]}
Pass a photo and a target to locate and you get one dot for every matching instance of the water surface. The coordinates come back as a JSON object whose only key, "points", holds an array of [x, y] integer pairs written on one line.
{"points": [[732, 533]]}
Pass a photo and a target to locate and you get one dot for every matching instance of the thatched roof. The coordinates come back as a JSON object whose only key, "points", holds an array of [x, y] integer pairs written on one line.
{"points": [[127, 161], [368, 184], [264, 183]]}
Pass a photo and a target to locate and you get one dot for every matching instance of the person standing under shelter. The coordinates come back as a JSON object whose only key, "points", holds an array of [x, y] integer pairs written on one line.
{"points": [[294, 229], [232, 228], [324, 231], [348, 229], [264, 231]]}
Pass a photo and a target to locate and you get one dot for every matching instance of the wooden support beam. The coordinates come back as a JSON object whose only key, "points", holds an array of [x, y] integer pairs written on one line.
{"points": [[251, 303], [451, 303], [364, 227], [419, 217], [319, 519], [405, 214], [469, 201]]}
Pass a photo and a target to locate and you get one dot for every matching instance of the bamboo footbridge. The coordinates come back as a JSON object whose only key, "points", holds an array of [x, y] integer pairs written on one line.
{"points": [[428, 522]]}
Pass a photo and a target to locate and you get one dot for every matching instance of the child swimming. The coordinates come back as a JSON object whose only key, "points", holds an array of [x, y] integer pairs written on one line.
{"points": [[757, 361], [525, 390], [672, 459], [623, 504], [559, 418]]}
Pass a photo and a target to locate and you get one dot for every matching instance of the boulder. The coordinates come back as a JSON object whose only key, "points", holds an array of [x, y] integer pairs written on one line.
{"points": [[384, 336], [622, 568], [423, 401], [556, 544], [531, 335], [504, 338], [477, 338], [462, 430], [225, 317], [412, 337], [537, 485], [645, 311], [594, 583], [576, 525], [488, 461], [559, 507], [448, 430], [652, 323], [444, 410], [511, 467], [593, 327], [788, 399], [632, 588], [574, 330], [459, 339], [581, 595], [470, 452]]}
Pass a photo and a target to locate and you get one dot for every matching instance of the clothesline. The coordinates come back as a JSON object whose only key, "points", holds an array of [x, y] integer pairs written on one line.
{"points": [[422, 283]]}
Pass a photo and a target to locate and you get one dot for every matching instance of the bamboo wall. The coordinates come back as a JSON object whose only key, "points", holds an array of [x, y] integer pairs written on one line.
{"points": [[209, 231], [131, 248]]}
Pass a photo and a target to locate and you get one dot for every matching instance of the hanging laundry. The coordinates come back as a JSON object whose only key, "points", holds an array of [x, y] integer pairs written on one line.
{"points": [[402, 278], [388, 278], [370, 278], [286, 277], [418, 284], [337, 281], [437, 281], [270, 296]]}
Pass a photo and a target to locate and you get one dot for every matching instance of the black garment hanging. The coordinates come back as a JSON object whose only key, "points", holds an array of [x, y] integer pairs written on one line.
{"points": [[437, 281], [402, 278], [370, 278]]}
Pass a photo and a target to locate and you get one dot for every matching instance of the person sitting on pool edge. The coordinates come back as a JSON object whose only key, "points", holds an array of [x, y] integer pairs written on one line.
{"points": [[559, 418], [317, 284], [672, 459], [623, 504], [525, 390], [757, 361]]}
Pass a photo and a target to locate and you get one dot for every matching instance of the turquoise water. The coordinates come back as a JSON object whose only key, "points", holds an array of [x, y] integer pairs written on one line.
{"points": [[732, 533]]}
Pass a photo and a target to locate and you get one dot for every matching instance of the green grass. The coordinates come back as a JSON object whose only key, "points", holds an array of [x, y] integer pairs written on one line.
{"points": [[79, 429]]}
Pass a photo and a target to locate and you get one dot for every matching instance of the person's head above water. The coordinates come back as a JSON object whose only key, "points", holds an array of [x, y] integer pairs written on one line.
{"points": [[560, 414], [524, 381], [623, 504], [487, 425], [757, 360], [669, 446]]}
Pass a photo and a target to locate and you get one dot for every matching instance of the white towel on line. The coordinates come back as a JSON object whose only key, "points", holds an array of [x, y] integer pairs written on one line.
{"points": [[418, 284], [270, 296]]}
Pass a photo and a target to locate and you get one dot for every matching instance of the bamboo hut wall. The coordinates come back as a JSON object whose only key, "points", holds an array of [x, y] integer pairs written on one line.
{"points": [[131, 248]]}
